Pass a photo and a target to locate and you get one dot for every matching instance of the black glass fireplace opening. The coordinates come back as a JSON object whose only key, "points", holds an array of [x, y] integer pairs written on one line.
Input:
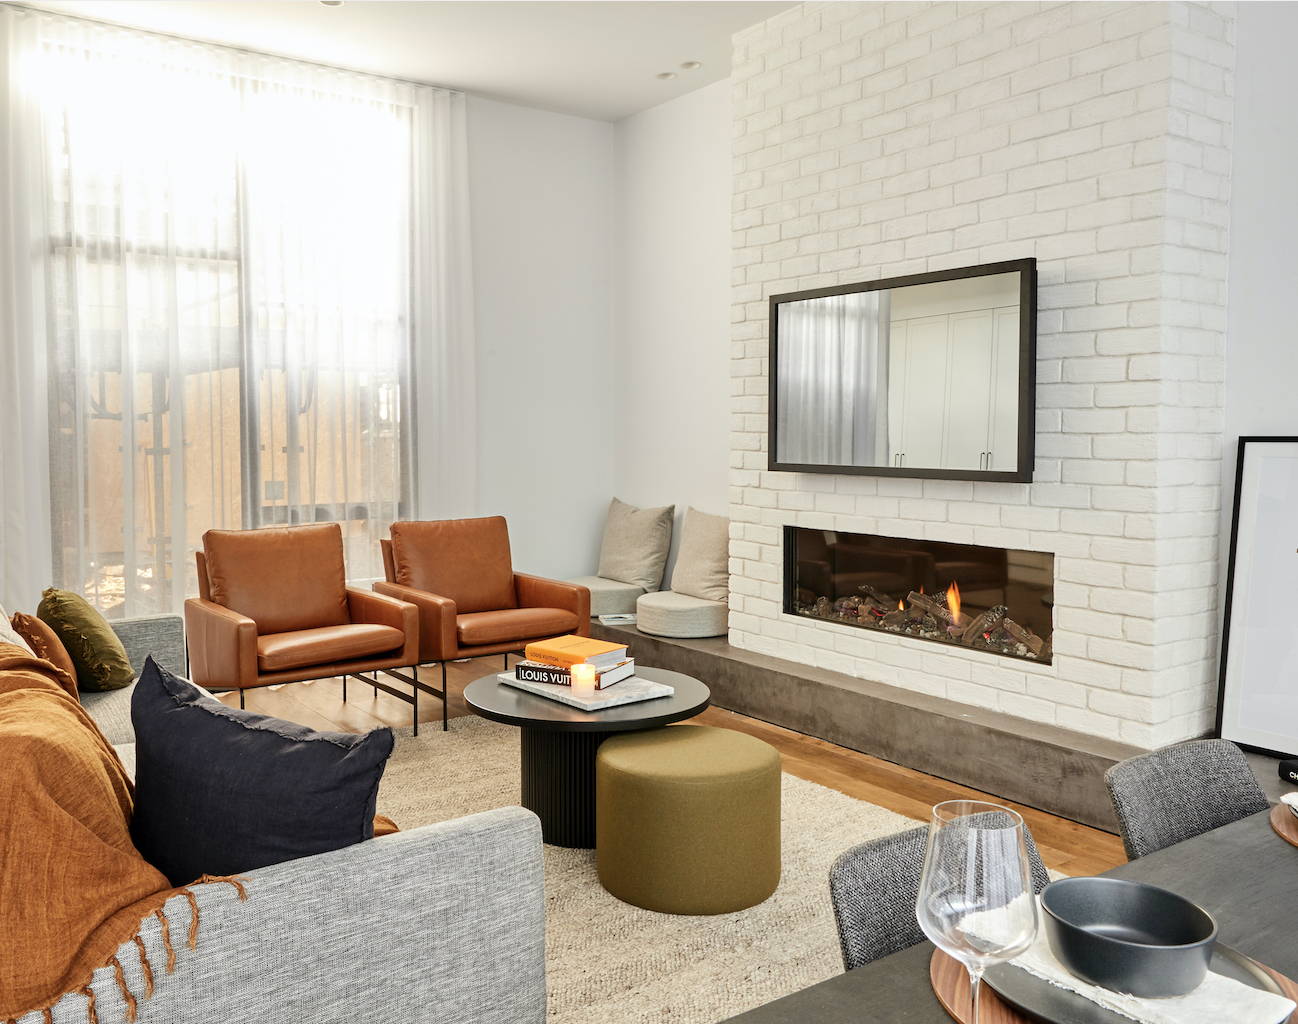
{"points": [[995, 600]]}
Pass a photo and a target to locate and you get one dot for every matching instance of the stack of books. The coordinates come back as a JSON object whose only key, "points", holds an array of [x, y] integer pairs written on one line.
{"points": [[551, 661], [547, 672]]}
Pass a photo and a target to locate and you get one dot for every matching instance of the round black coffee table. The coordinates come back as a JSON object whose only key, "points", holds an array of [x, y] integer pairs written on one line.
{"points": [[558, 744]]}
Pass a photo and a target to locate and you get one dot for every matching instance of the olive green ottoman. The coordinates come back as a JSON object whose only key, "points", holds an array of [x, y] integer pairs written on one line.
{"points": [[687, 819]]}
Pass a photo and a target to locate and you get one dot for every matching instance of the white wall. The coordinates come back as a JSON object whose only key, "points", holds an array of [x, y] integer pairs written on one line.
{"points": [[673, 303], [1261, 339], [542, 205]]}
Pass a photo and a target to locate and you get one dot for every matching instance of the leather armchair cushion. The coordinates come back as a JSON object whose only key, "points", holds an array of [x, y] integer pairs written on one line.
{"points": [[279, 651], [284, 578], [512, 624], [466, 560]]}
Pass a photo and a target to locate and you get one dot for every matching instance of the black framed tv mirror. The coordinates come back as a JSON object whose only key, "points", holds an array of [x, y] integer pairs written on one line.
{"points": [[930, 375]]}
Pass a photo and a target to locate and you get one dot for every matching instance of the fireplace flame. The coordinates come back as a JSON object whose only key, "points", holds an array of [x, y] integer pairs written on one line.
{"points": [[953, 601], [901, 605]]}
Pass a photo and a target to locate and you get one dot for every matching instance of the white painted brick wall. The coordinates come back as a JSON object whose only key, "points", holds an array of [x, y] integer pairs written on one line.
{"points": [[873, 140]]}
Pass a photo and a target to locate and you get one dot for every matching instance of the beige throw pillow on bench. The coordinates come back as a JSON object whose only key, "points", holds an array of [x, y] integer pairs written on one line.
{"points": [[635, 545], [703, 562]]}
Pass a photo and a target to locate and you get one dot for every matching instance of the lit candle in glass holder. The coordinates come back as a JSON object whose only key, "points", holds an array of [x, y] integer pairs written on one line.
{"points": [[583, 679]]}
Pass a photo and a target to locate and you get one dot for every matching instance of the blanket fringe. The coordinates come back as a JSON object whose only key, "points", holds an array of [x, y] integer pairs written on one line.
{"points": [[161, 915], [91, 1016], [127, 995], [146, 968], [192, 939], [234, 880]]}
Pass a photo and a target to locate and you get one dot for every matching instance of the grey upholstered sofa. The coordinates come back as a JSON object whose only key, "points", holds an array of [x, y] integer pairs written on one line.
{"points": [[443, 924]]}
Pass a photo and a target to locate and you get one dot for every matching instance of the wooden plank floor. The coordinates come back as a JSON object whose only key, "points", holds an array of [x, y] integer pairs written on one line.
{"points": [[1065, 845]]}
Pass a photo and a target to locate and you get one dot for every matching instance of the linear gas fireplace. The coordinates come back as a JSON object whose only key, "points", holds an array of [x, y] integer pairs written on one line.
{"points": [[995, 600]]}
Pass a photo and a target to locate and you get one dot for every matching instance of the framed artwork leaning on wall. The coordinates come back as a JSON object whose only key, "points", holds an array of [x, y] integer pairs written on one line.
{"points": [[1257, 701]]}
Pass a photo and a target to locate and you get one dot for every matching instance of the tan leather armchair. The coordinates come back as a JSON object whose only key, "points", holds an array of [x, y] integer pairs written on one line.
{"points": [[274, 607], [459, 574]]}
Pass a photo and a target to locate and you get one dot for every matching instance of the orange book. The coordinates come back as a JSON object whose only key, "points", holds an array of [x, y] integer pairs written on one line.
{"points": [[566, 651]]}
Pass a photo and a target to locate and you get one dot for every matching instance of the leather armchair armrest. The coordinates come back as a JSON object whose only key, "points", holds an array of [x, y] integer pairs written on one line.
{"points": [[538, 592], [222, 645], [380, 610], [437, 640]]}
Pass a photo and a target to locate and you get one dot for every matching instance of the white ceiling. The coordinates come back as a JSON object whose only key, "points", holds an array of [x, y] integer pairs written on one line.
{"points": [[596, 59]]}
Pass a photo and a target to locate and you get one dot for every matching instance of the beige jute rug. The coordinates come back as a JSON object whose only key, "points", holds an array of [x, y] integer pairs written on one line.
{"points": [[607, 961]]}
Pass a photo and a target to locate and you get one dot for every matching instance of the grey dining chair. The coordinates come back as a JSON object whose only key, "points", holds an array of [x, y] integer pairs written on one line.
{"points": [[1180, 792], [874, 886]]}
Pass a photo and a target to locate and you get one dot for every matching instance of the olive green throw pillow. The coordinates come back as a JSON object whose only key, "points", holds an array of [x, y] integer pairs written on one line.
{"points": [[98, 655]]}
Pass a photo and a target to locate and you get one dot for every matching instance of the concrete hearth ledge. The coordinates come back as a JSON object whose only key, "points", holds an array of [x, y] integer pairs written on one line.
{"points": [[1044, 766]]}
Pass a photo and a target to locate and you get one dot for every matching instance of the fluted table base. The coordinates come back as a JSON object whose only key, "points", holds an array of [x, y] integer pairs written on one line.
{"points": [[559, 742], [558, 776]]}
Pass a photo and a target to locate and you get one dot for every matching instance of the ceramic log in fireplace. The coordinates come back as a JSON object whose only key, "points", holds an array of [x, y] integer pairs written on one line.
{"points": [[994, 600]]}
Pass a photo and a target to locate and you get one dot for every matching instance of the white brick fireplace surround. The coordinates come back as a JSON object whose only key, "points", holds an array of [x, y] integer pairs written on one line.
{"points": [[873, 140]]}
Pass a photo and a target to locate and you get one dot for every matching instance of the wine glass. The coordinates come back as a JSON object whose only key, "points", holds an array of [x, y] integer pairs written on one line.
{"points": [[976, 898]]}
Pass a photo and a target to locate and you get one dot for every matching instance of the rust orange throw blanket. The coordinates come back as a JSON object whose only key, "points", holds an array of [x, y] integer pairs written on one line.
{"points": [[72, 886]]}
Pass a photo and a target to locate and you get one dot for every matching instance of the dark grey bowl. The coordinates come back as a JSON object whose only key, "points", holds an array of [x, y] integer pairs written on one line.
{"points": [[1128, 936]]}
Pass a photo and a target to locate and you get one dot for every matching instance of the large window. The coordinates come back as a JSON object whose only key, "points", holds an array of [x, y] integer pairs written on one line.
{"points": [[228, 278]]}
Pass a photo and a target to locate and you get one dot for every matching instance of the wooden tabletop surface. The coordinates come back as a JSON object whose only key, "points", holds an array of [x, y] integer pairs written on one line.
{"points": [[1244, 874]]}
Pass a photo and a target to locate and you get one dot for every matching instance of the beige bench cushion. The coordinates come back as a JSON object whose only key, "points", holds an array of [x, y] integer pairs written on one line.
{"points": [[668, 613], [609, 597]]}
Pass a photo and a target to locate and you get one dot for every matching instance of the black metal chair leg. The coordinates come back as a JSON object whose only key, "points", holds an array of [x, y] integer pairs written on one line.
{"points": [[375, 676], [414, 703], [445, 696], [344, 689], [241, 706]]}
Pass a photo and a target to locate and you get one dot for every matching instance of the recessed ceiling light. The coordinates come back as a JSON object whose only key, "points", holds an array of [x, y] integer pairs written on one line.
{"points": [[666, 76], [692, 65], [332, 3]]}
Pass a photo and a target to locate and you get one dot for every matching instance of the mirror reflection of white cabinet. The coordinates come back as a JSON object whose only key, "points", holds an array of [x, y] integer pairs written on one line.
{"points": [[952, 389], [917, 358]]}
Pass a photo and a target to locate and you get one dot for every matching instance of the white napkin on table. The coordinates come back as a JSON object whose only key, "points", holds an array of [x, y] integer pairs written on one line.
{"points": [[1290, 800], [1217, 1000]]}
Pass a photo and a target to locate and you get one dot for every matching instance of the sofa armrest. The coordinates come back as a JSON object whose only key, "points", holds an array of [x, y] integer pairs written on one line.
{"points": [[538, 592], [380, 610], [437, 641], [222, 645], [162, 636], [443, 924]]}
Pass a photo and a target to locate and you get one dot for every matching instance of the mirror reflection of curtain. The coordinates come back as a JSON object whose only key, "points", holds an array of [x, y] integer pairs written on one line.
{"points": [[833, 380]]}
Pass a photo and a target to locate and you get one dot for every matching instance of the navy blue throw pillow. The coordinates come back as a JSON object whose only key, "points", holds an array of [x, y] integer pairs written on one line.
{"points": [[219, 791]]}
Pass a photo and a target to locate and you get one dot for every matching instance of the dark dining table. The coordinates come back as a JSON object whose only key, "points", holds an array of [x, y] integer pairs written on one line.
{"points": [[1243, 873]]}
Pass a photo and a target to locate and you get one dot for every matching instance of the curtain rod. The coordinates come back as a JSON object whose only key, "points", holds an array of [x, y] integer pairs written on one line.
{"points": [[227, 46]]}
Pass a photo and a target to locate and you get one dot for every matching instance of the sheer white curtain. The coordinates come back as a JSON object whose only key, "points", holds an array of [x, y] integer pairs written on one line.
{"points": [[239, 274], [832, 406]]}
